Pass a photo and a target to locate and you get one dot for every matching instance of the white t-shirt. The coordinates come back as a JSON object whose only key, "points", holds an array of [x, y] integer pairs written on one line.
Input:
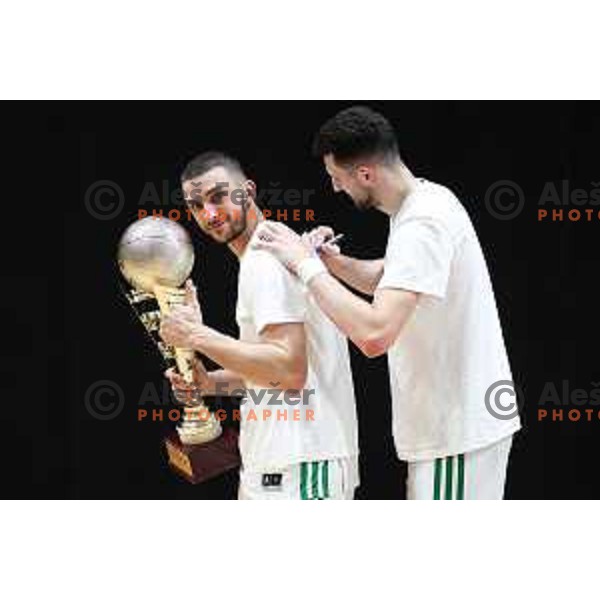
{"points": [[269, 294], [451, 350]]}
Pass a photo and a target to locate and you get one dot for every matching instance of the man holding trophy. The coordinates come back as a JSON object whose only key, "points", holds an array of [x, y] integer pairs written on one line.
{"points": [[286, 345]]}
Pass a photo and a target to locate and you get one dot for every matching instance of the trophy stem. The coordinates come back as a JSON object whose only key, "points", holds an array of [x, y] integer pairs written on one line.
{"points": [[198, 425]]}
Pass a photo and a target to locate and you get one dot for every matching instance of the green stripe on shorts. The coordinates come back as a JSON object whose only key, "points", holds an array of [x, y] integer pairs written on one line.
{"points": [[449, 468], [319, 475], [303, 478], [437, 479], [460, 492], [326, 479], [449, 492], [315, 480]]}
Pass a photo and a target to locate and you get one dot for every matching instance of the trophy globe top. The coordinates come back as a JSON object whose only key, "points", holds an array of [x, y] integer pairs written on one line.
{"points": [[155, 252]]}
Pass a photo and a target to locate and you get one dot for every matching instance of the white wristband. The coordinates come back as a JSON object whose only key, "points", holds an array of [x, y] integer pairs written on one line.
{"points": [[309, 268]]}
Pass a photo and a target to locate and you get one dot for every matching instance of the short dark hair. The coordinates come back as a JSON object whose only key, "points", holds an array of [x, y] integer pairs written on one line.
{"points": [[209, 160], [356, 133]]}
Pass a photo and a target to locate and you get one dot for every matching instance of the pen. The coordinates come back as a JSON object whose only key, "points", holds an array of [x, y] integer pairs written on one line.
{"points": [[333, 240]]}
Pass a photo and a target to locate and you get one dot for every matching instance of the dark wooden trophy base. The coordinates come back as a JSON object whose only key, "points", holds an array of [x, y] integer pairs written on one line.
{"points": [[199, 462]]}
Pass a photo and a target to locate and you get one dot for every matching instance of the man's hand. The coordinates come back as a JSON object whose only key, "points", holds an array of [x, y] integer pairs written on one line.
{"points": [[319, 238], [179, 327], [283, 243], [184, 391]]}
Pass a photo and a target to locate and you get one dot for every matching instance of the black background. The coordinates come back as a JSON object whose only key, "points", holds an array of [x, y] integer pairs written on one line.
{"points": [[66, 326]]}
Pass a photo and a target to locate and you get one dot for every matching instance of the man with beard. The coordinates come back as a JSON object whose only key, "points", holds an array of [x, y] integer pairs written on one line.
{"points": [[433, 311], [285, 342]]}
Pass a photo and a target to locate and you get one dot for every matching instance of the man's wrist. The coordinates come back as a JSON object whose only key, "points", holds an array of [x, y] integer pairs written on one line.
{"points": [[200, 337], [310, 267]]}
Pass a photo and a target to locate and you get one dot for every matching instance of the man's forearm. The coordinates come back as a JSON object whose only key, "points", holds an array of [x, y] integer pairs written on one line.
{"points": [[362, 275], [354, 317], [223, 382], [373, 327], [265, 364]]}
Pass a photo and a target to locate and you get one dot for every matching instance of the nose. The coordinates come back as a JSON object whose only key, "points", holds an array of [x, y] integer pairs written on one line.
{"points": [[211, 213]]}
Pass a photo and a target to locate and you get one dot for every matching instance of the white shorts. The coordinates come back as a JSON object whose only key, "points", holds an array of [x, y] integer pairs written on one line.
{"points": [[333, 479], [477, 475]]}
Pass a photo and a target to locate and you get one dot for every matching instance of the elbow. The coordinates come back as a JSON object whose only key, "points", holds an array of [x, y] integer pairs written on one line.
{"points": [[374, 345], [295, 379], [293, 383]]}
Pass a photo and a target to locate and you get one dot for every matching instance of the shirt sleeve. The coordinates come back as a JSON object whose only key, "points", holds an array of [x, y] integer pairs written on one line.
{"points": [[278, 296], [418, 257]]}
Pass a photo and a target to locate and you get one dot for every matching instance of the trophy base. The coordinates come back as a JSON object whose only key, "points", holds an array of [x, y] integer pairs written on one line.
{"points": [[199, 462], [193, 432]]}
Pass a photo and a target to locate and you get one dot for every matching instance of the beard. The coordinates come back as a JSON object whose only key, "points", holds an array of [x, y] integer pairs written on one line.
{"points": [[231, 229]]}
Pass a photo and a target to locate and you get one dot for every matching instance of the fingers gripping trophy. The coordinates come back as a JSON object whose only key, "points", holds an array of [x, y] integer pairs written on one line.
{"points": [[156, 257]]}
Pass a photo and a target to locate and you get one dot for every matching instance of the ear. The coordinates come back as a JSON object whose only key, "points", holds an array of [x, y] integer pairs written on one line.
{"points": [[250, 189], [366, 173]]}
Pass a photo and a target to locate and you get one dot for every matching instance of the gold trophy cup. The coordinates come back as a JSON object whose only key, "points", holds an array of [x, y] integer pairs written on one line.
{"points": [[156, 256]]}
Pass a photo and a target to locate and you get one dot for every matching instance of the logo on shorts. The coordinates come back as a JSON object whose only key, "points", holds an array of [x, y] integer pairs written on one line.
{"points": [[271, 479]]}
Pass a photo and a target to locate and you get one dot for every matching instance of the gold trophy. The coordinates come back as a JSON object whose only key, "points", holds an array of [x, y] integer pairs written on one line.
{"points": [[156, 256]]}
